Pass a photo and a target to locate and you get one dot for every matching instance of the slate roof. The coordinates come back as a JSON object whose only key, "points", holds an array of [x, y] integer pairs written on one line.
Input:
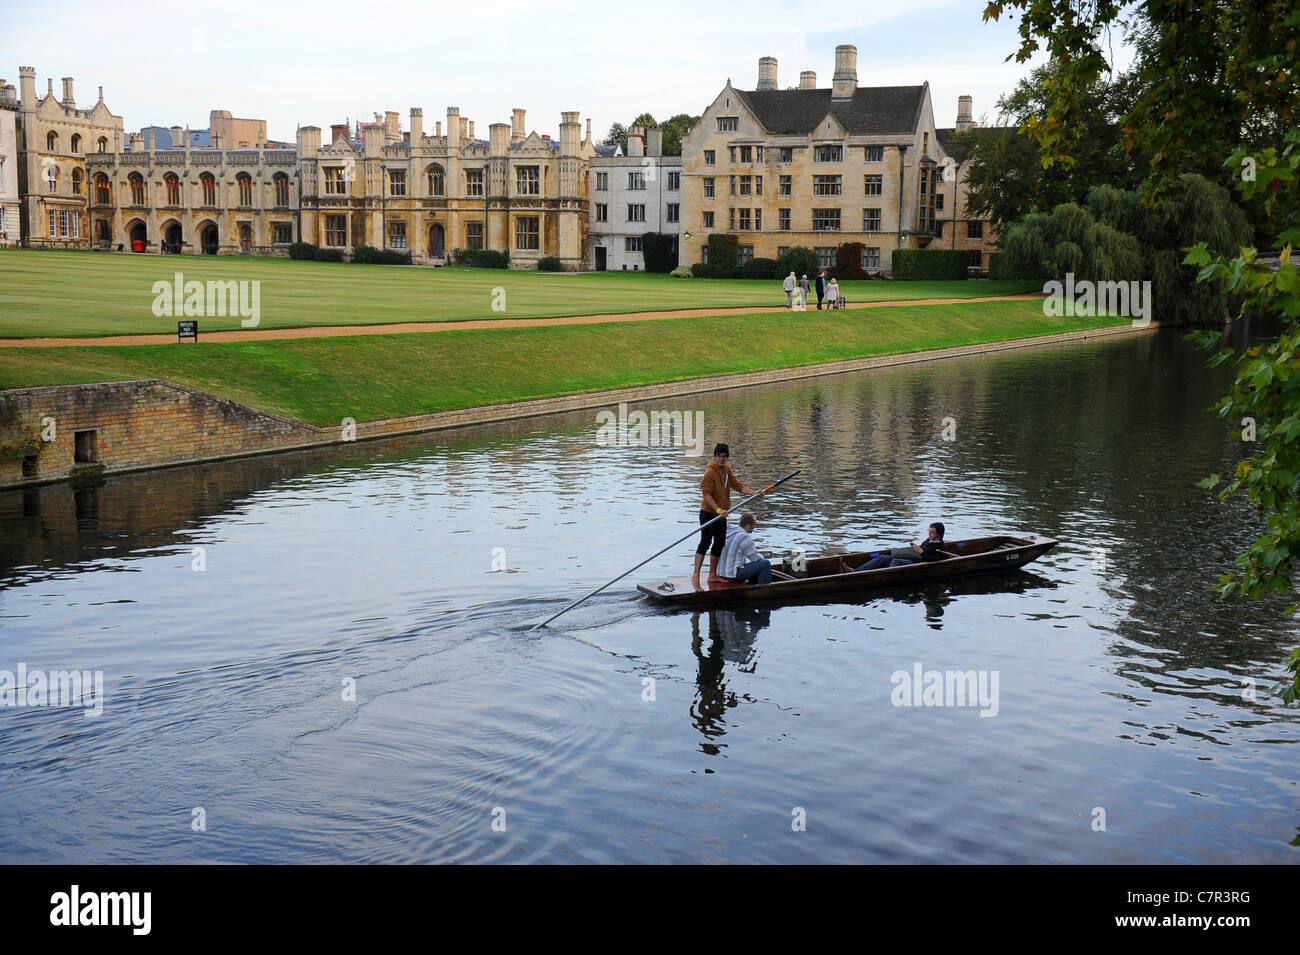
{"points": [[945, 137], [608, 152], [873, 110]]}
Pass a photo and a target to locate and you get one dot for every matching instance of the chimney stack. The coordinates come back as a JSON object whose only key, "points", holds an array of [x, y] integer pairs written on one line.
{"points": [[417, 125], [517, 131], [807, 80], [177, 142], [68, 101], [392, 126], [845, 82], [766, 73], [963, 113], [338, 131], [654, 141], [453, 126], [636, 141]]}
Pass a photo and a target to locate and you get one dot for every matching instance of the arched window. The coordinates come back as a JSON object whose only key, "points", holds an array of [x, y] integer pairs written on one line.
{"points": [[76, 142], [209, 189], [103, 144], [137, 189], [103, 194], [76, 182], [437, 181], [173, 189], [245, 183], [52, 177], [52, 141], [281, 189]]}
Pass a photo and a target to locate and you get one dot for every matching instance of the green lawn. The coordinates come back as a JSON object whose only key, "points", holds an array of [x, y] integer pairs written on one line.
{"points": [[78, 294], [369, 377]]}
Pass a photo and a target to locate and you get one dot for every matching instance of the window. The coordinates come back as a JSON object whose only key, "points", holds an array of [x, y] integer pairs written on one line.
{"points": [[636, 212], [397, 182], [925, 144], [336, 230], [102, 144], [437, 180], [397, 235], [787, 154], [673, 212], [474, 235], [209, 189], [76, 224], [783, 186], [632, 244], [674, 181], [526, 233], [744, 253], [528, 180], [745, 185], [602, 181], [173, 184], [938, 200], [334, 182], [974, 259], [758, 185], [708, 157], [76, 142], [281, 189], [826, 257], [636, 181], [103, 194], [974, 230], [138, 192], [52, 142], [282, 232], [708, 187], [733, 184], [871, 220], [731, 220], [101, 230], [873, 185], [826, 185], [747, 154], [704, 253], [473, 182], [828, 154], [744, 220], [871, 258], [783, 219], [782, 250], [245, 183], [728, 124], [758, 220], [826, 220], [76, 182], [731, 150], [925, 181], [52, 178], [938, 228], [874, 154], [85, 450], [707, 220], [602, 212]]}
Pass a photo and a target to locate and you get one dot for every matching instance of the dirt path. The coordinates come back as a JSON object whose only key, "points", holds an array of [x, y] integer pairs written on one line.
{"points": [[342, 331]]}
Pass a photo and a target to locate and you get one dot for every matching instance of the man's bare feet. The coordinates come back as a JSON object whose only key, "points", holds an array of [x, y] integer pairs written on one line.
{"points": [[695, 582]]}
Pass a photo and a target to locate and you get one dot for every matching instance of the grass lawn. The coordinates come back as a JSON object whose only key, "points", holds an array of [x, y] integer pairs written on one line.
{"points": [[369, 377], [81, 294]]}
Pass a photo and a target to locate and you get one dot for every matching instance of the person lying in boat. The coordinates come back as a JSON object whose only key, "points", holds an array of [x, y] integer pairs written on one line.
{"points": [[741, 563], [931, 549]]}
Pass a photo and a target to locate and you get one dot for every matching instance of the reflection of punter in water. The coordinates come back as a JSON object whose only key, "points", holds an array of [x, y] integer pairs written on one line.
{"points": [[731, 640]]}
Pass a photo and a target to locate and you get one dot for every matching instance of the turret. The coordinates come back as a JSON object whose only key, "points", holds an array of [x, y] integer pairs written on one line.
{"points": [[417, 125]]}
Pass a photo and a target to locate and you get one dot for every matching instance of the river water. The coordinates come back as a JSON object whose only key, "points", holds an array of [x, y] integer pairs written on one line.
{"points": [[325, 656]]}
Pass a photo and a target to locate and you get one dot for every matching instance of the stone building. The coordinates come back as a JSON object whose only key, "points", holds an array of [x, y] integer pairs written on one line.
{"points": [[813, 167], [10, 232], [54, 140], [954, 227], [194, 200], [630, 196], [430, 193]]}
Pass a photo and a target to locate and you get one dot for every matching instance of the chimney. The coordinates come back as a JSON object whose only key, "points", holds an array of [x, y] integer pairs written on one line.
{"points": [[437, 129], [499, 139], [27, 86], [845, 82], [101, 94], [177, 142], [588, 139], [807, 80], [68, 101], [569, 132], [392, 126], [338, 131], [517, 130], [636, 141], [453, 126], [49, 86], [654, 141], [766, 73], [417, 124], [963, 113], [466, 133], [470, 134]]}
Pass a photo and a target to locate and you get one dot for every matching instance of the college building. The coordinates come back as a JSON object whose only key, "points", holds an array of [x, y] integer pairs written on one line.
{"points": [[631, 195], [10, 230], [817, 167]]}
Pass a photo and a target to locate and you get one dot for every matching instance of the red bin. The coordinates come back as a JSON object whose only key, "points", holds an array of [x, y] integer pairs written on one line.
{"points": [[137, 245]]}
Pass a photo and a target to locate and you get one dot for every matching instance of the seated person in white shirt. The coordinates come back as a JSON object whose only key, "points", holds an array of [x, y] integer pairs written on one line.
{"points": [[740, 562]]}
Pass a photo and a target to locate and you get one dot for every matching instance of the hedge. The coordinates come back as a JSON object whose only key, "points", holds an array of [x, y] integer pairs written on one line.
{"points": [[724, 249], [302, 250], [929, 264], [658, 251], [329, 255], [549, 263], [369, 255], [681, 272], [481, 258], [799, 260], [758, 269], [848, 261]]}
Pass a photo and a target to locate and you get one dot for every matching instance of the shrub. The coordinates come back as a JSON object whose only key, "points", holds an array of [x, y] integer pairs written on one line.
{"points": [[929, 264], [549, 263], [481, 258], [758, 269], [302, 250], [329, 255], [681, 272], [723, 252], [848, 261], [995, 265], [369, 255], [799, 260], [701, 270], [659, 252]]}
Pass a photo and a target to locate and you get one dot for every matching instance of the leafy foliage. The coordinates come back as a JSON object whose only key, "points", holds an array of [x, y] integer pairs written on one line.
{"points": [[934, 264], [799, 260]]}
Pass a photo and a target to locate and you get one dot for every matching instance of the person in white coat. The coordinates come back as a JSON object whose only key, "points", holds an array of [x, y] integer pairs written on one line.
{"points": [[789, 286]]}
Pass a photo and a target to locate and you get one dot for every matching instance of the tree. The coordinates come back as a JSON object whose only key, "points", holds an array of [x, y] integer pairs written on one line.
{"points": [[617, 136], [675, 130], [1215, 69]]}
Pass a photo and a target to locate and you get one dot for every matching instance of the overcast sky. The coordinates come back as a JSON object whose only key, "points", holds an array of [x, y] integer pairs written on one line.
{"points": [[317, 62]]}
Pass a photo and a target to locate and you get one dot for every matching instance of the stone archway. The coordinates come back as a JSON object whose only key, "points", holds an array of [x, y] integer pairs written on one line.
{"points": [[208, 238], [173, 237], [138, 233], [437, 241]]}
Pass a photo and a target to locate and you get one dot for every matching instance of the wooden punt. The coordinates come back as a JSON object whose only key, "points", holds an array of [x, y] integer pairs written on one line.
{"points": [[831, 574]]}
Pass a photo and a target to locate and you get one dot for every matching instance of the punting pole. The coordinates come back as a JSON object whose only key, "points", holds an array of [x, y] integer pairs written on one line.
{"points": [[696, 530]]}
